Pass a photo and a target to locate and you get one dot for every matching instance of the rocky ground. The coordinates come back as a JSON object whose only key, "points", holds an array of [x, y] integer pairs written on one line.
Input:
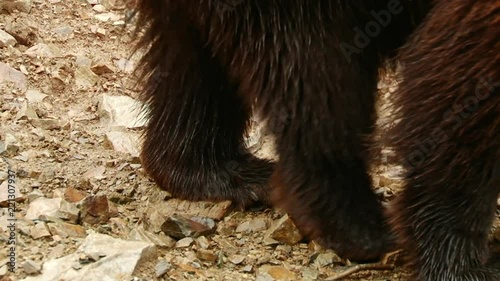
{"points": [[84, 209]]}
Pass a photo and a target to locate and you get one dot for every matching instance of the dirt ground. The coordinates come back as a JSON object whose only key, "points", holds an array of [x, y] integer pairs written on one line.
{"points": [[57, 136]]}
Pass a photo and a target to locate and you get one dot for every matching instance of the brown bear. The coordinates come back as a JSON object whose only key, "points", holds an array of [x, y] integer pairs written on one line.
{"points": [[311, 69]]}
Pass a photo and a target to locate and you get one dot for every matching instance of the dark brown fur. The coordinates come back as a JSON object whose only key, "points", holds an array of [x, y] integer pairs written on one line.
{"points": [[449, 140], [209, 63]]}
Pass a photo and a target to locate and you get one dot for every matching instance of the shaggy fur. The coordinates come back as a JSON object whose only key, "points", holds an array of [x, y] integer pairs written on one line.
{"points": [[307, 70], [449, 140]]}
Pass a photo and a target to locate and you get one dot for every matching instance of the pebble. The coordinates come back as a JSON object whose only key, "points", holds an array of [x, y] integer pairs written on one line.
{"points": [[161, 268], [6, 39], [178, 226], [283, 230], [206, 255], [31, 267], [184, 242]]}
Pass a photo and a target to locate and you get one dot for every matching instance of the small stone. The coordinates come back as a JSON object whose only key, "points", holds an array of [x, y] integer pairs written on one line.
{"points": [[227, 246], [56, 238], [207, 222], [236, 259], [268, 241], [85, 77], [99, 8], [161, 268], [184, 242], [155, 214], [44, 51], [309, 274], [74, 195], [118, 260], [179, 227], [96, 173], [277, 273], [6, 197], [122, 111], [327, 258], [247, 269], [3, 176], [102, 68], [125, 65], [40, 230], [26, 112], [57, 251], [6, 39], [11, 75], [202, 242], [63, 30], [66, 230], [284, 230], [46, 123], [77, 266], [19, 5], [119, 23], [160, 240], [23, 69], [101, 32], [162, 192], [68, 212], [83, 61], [95, 256], [123, 141], [57, 83], [35, 96], [43, 206], [35, 250], [31, 267], [206, 255], [186, 264], [254, 225], [97, 209], [104, 17]]}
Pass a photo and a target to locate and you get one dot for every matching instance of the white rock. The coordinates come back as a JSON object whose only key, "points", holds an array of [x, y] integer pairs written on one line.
{"points": [[101, 32], [103, 17], [31, 267], [43, 206], [6, 39], [85, 78], [119, 262], [9, 193], [20, 5], [122, 111], [99, 8], [125, 142], [35, 96], [184, 242], [44, 51], [83, 61], [124, 65], [23, 69], [9, 74], [10, 144], [161, 268], [26, 112], [63, 30]]}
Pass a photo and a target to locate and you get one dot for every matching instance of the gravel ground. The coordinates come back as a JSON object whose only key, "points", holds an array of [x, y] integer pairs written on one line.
{"points": [[70, 141]]}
